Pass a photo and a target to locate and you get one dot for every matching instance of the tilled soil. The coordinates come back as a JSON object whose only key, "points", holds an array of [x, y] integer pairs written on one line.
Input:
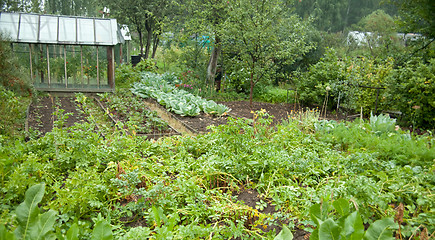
{"points": [[41, 117], [41, 113]]}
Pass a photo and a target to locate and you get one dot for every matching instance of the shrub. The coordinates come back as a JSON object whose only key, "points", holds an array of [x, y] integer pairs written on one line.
{"points": [[347, 80], [410, 89], [146, 65], [11, 74], [12, 112], [125, 75], [271, 94]]}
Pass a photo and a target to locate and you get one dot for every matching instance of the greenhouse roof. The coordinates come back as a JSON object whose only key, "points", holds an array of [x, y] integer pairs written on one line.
{"points": [[50, 29]]}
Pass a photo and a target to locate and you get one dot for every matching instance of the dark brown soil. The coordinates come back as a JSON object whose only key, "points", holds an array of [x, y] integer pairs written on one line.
{"points": [[41, 117], [243, 109]]}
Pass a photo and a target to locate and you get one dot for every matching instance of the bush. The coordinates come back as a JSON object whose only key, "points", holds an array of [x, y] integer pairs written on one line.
{"points": [[12, 112], [11, 74], [146, 65], [346, 81], [271, 94], [410, 89], [125, 75]]}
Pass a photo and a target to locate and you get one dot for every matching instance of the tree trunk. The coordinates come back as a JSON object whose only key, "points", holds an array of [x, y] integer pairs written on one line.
{"points": [[140, 41], [251, 92], [149, 38], [212, 64], [156, 41]]}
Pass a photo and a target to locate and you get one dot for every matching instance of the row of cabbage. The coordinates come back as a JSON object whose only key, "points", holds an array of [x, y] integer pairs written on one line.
{"points": [[162, 88]]}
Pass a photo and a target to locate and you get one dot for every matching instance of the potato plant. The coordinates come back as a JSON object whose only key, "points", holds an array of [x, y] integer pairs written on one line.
{"points": [[186, 187]]}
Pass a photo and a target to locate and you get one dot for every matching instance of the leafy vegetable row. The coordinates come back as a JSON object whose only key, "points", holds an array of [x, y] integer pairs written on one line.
{"points": [[176, 100]]}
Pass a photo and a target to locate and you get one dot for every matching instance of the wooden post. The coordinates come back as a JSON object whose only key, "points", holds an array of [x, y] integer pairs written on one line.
{"points": [[110, 67], [98, 70], [120, 54], [81, 63], [64, 61], [41, 58], [48, 66], [31, 67]]}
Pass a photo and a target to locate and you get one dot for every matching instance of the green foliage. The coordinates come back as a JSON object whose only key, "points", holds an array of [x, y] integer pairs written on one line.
{"points": [[102, 230], [136, 117], [185, 187], [416, 16], [379, 136], [125, 75], [285, 234], [350, 82], [345, 224], [382, 40], [12, 112], [337, 17], [146, 65], [31, 223], [12, 73], [255, 34], [178, 101], [410, 90], [272, 94]]}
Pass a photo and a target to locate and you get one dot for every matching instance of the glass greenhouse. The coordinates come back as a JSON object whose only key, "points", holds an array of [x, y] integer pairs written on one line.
{"points": [[65, 53]]}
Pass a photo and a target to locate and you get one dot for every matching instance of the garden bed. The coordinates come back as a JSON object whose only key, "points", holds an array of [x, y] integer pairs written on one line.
{"points": [[40, 114], [135, 116]]}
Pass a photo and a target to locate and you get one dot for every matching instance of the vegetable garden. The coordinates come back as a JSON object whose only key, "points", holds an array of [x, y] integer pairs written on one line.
{"points": [[177, 151], [247, 179]]}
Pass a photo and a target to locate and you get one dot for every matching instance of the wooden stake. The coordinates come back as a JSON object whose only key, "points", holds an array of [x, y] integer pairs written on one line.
{"points": [[64, 61], [98, 70], [81, 63], [48, 67], [31, 67]]}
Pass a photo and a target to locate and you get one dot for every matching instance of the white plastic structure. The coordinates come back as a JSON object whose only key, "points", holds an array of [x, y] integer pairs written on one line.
{"points": [[49, 29]]}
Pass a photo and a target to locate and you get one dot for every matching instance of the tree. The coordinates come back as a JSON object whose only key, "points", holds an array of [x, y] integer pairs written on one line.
{"points": [[72, 7], [144, 16], [262, 33], [416, 16], [338, 15], [20, 6], [382, 29], [206, 17]]}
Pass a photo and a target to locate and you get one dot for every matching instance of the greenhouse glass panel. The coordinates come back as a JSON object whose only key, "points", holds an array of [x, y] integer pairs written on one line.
{"points": [[9, 24], [67, 30], [86, 33], [33, 28], [103, 31], [29, 28], [48, 29]]}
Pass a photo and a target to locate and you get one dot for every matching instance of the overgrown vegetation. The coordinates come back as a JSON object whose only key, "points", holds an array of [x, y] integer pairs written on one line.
{"points": [[184, 187], [367, 179]]}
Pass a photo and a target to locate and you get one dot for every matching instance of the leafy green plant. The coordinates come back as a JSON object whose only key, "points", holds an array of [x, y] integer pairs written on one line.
{"points": [[272, 94], [12, 109], [31, 223], [382, 123], [344, 224], [125, 75], [146, 65], [34, 225], [179, 101]]}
